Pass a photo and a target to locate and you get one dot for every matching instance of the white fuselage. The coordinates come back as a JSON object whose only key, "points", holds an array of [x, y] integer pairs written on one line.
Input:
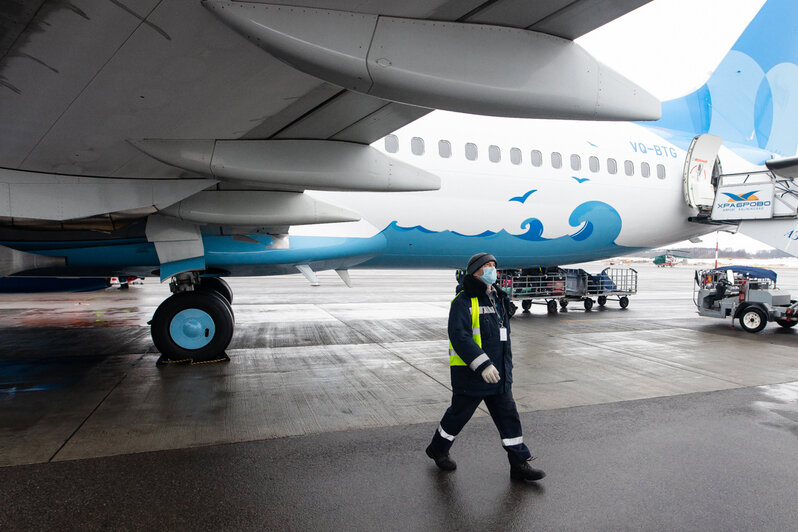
{"points": [[490, 166]]}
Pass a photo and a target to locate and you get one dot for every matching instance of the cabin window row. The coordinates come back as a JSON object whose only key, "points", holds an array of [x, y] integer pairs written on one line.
{"points": [[516, 157]]}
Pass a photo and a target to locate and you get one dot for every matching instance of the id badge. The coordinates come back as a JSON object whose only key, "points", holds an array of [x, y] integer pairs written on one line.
{"points": [[503, 334]]}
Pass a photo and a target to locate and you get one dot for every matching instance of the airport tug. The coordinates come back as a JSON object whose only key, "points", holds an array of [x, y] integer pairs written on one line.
{"points": [[745, 293]]}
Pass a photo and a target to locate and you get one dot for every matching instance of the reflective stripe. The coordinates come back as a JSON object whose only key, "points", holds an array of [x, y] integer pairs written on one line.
{"points": [[454, 359], [476, 332], [487, 310], [507, 442], [481, 359], [444, 434]]}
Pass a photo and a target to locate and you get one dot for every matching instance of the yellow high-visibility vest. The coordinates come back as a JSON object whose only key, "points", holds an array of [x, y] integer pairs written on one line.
{"points": [[454, 358]]}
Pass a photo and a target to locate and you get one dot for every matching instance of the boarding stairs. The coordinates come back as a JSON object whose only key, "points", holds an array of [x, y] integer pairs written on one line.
{"points": [[762, 204]]}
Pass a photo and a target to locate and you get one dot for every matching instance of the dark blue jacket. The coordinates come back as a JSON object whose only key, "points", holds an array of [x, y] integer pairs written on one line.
{"points": [[466, 380]]}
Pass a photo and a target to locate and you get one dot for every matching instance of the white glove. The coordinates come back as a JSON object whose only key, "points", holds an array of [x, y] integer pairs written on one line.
{"points": [[491, 374]]}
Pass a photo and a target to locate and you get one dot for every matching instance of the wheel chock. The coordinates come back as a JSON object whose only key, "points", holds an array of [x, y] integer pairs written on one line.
{"points": [[163, 361]]}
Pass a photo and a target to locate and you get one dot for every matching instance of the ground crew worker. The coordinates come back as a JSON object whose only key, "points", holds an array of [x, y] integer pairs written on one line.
{"points": [[481, 366]]}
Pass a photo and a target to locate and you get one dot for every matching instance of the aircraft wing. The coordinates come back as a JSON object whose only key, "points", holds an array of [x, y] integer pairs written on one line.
{"points": [[79, 79]]}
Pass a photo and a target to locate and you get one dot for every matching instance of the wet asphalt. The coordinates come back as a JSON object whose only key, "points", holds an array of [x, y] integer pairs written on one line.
{"points": [[648, 418], [711, 461]]}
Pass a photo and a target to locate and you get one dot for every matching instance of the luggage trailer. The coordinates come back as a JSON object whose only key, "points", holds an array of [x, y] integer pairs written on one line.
{"points": [[553, 285], [744, 293]]}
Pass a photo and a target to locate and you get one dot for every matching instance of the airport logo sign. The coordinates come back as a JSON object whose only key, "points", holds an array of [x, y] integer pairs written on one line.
{"points": [[735, 204], [748, 196]]}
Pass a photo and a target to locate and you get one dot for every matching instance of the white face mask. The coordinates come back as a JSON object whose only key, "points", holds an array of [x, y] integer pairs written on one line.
{"points": [[488, 275]]}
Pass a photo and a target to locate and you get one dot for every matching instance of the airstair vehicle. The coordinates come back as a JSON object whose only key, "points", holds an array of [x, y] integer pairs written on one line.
{"points": [[762, 204]]}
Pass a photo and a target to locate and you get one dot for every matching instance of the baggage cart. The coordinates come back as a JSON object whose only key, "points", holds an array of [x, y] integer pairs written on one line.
{"points": [[535, 286], [610, 284]]}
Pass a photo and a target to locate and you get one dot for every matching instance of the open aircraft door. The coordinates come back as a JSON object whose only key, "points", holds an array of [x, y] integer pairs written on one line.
{"points": [[700, 169]]}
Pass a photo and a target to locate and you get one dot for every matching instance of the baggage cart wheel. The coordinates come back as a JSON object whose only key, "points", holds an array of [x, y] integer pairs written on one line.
{"points": [[551, 306], [602, 300], [624, 301], [563, 303], [511, 309], [526, 305], [753, 319], [588, 304], [787, 324]]}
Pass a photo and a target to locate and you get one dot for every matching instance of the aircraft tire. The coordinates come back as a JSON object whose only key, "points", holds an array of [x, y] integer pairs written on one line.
{"points": [[787, 324], [588, 304], [602, 300], [753, 319], [623, 301], [196, 326], [526, 305], [218, 285]]}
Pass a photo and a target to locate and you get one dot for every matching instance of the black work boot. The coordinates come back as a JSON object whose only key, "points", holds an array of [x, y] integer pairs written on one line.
{"points": [[525, 472], [441, 460]]}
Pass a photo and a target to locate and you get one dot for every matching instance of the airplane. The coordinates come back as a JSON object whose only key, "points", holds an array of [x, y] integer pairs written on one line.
{"points": [[201, 140]]}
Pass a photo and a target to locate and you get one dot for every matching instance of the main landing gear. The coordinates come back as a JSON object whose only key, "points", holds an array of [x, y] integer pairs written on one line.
{"points": [[195, 324]]}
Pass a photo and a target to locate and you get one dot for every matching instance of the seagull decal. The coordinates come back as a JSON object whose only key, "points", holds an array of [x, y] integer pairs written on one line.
{"points": [[580, 179], [522, 199]]}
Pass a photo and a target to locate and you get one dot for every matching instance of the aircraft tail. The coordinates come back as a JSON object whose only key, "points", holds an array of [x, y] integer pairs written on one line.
{"points": [[751, 100]]}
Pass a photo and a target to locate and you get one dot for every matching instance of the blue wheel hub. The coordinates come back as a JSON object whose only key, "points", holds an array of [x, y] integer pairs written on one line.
{"points": [[192, 328]]}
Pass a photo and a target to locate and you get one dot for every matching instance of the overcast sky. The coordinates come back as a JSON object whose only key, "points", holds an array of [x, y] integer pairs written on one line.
{"points": [[670, 48]]}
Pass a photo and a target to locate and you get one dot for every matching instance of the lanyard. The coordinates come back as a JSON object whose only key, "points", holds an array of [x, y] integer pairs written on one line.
{"points": [[495, 308]]}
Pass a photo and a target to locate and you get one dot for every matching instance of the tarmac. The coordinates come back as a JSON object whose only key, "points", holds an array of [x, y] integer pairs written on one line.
{"points": [[648, 418]]}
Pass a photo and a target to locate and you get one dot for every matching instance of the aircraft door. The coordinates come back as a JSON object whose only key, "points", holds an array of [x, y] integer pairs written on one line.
{"points": [[701, 169]]}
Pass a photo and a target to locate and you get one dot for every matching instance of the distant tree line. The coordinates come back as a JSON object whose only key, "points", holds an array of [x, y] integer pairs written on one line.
{"points": [[709, 253]]}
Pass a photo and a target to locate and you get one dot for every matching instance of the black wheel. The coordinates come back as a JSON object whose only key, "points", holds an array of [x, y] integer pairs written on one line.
{"points": [[624, 301], [563, 303], [787, 324], [218, 285], [753, 319], [588, 304], [526, 305], [551, 306], [602, 300], [194, 326], [511, 309]]}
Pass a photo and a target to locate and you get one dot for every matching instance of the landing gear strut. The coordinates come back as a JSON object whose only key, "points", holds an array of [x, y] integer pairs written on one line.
{"points": [[195, 324]]}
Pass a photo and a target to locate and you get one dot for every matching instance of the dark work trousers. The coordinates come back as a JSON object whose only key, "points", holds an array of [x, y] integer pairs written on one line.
{"points": [[504, 414]]}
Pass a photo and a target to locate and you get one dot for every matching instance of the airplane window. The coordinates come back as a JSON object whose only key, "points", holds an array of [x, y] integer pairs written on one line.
{"points": [[536, 157], [444, 148], [612, 166], [556, 160], [471, 151], [629, 167], [576, 162], [660, 171], [593, 162], [645, 170], [494, 154], [417, 146], [392, 144], [515, 156]]}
